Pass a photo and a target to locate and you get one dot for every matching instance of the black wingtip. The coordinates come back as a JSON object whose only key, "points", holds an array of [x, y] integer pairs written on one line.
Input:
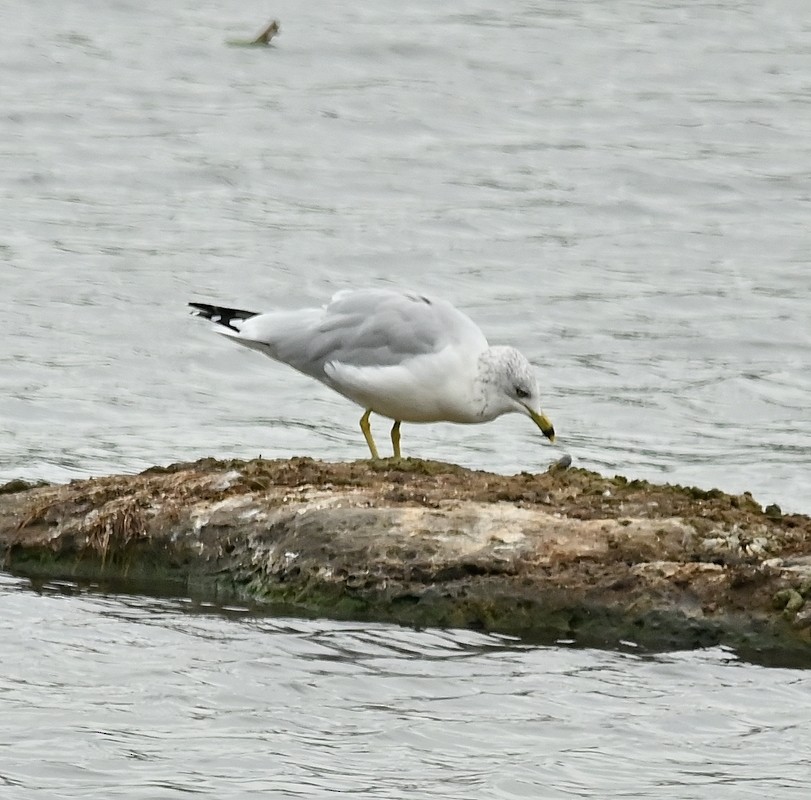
{"points": [[220, 314]]}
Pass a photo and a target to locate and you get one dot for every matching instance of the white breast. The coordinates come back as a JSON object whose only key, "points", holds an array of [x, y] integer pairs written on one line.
{"points": [[441, 387]]}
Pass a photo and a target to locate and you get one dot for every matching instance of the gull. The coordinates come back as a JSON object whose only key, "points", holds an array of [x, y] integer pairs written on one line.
{"points": [[399, 354]]}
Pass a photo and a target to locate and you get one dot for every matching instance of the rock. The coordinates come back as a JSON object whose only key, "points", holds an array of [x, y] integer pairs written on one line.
{"points": [[564, 554], [802, 619], [790, 600], [794, 603], [564, 462], [19, 485]]}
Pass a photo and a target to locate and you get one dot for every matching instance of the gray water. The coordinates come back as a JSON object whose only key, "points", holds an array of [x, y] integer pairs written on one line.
{"points": [[619, 189], [131, 698]]}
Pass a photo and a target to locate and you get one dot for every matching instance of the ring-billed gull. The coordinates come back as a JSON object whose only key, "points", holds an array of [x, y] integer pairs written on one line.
{"points": [[403, 355]]}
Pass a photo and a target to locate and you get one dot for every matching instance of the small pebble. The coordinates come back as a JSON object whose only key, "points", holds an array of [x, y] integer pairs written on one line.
{"points": [[789, 600], [795, 602], [772, 563], [803, 618], [564, 462], [780, 598]]}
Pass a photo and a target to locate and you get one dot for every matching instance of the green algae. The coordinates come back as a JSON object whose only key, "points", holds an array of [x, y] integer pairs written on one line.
{"points": [[20, 485]]}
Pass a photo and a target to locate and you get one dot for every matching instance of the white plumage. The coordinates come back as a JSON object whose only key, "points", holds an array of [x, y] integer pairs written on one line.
{"points": [[402, 355]]}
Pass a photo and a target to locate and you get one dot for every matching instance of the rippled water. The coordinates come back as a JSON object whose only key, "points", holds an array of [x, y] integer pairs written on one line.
{"points": [[133, 698], [620, 189]]}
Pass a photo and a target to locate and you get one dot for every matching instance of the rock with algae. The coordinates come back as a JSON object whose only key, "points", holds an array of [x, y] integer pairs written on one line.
{"points": [[565, 554]]}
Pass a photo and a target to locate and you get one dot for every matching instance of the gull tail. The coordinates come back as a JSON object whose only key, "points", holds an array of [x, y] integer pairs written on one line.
{"points": [[227, 317]]}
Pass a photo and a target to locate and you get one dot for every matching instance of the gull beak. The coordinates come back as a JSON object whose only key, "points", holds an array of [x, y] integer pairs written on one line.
{"points": [[547, 429]]}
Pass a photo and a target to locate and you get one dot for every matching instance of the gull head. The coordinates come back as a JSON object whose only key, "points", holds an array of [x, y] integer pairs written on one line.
{"points": [[510, 386]]}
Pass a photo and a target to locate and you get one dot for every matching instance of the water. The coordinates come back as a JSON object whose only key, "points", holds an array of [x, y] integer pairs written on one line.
{"points": [[135, 698], [619, 189]]}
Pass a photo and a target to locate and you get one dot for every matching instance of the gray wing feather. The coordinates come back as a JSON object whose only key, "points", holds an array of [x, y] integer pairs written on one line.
{"points": [[362, 328]]}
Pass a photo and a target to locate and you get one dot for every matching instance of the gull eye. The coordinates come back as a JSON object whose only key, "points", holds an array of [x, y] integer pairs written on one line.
{"points": [[521, 393]]}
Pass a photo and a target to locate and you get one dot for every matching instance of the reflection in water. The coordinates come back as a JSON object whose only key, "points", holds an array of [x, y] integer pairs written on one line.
{"points": [[141, 694]]}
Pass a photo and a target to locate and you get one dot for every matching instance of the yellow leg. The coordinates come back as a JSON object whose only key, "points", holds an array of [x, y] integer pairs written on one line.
{"points": [[395, 438], [367, 433]]}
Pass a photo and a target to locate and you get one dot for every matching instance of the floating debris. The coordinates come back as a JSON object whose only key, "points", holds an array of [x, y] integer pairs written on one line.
{"points": [[261, 40], [267, 34]]}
